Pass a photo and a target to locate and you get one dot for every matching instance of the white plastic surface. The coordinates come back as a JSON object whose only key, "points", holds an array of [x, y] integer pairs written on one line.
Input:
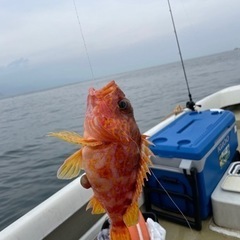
{"points": [[235, 169], [231, 183], [226, 97], [226, 206]]}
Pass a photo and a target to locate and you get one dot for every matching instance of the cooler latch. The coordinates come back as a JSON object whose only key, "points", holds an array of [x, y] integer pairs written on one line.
{"points": [[186, 165]]}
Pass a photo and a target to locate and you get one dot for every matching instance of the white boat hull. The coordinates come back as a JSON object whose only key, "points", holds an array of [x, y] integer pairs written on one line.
{"points": [[49, 215]]}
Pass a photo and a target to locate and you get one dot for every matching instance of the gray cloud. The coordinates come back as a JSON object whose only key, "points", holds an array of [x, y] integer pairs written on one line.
{"points": [[41, 41], [18, 63]]}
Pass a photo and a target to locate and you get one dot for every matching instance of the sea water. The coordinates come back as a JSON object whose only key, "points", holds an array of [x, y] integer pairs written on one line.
{"points": [[29, 159]]}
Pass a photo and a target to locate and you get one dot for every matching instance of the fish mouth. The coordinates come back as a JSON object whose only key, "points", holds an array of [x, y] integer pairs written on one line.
{"points": [[106, 90]]}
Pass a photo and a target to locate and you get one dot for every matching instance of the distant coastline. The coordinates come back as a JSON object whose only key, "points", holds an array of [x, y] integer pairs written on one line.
{"points": [[16, 93]]}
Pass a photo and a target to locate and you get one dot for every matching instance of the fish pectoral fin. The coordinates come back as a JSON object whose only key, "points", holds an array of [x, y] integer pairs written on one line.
{"points": [[75, 138], [131, 215], [71, 166], [97, 207]]}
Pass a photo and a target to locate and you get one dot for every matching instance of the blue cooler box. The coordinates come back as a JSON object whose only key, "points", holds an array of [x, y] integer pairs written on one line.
{"points": [[205, 141]]}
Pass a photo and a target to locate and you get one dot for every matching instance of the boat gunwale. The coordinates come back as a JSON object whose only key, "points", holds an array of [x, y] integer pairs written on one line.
{"points": [[48, 215]]}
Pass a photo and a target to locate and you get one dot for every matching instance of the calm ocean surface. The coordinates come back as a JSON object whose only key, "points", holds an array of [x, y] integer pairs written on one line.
{"points": [[29, 159]]}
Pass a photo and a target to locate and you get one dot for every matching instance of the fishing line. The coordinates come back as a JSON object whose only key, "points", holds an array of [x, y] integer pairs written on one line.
{"points": [[164, 189], [84, 42], [189, 104]]}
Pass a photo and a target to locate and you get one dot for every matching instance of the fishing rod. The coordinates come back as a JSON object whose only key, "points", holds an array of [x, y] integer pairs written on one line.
{"points": [[190, 104], [84, 42]]}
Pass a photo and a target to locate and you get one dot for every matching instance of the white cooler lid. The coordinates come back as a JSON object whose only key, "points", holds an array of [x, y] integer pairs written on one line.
{"points": [[231, 183]]}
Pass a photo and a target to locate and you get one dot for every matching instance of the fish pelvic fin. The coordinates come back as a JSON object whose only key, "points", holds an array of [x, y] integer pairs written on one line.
{"points": [[97, 207], [145, 161], [75, 138], [71, 166], [119, 233], [131, 215]]}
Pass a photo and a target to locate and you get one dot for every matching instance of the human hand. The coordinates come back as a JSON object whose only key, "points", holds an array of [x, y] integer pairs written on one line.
{"points": [[84, 181]]}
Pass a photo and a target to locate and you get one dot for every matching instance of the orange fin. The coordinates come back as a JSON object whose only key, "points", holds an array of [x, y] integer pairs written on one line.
{"points": [[75, 138], [71, 166], [140, 230], [120, 233], [131, 215], [145, 161], [97, 207]]}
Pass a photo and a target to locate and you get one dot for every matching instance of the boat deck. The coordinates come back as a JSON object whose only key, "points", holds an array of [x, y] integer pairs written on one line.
{"points": [[178, 232]]}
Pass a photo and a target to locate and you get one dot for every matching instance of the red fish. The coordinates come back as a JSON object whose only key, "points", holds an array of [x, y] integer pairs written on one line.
{"points": [[115, 157]]}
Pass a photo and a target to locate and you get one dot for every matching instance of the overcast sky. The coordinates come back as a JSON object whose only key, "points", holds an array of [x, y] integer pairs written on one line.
{"points": [[41, 44]]}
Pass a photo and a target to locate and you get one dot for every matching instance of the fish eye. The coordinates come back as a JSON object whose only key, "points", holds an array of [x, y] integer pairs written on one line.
{"points": [[123, 104]]}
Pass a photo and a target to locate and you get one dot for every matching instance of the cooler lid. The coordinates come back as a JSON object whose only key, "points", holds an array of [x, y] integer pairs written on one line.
{"points": [[231, 183], [191, 135]]}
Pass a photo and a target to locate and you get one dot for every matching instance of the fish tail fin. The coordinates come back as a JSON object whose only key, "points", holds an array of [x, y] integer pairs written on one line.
{"points": [[120, 233]]}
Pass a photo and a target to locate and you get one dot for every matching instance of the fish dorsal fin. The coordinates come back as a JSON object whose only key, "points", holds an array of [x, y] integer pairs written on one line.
{"points": [[97, 207], [71, 166], [131, 215], [75, 138], [143, 168]]}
